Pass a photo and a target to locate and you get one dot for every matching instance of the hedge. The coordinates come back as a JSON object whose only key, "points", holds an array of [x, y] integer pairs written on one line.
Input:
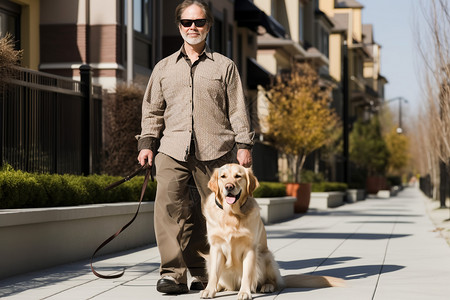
{"points": [[326, 186], [270, 189], [19, 189], [28, 190]]}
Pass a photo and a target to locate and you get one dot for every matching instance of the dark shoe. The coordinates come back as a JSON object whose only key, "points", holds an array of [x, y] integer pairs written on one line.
{"points": [[198, 283], [168, 285]]}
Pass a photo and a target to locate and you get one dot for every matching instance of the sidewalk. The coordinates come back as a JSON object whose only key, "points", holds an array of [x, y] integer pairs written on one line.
{"points": [[384, 248]]}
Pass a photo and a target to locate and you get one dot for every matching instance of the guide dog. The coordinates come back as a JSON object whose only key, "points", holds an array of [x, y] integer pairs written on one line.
{"points": [[239, 259]]}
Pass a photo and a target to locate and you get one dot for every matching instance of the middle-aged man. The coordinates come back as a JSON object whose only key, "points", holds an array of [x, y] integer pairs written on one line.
{"points": [[194, 115]]}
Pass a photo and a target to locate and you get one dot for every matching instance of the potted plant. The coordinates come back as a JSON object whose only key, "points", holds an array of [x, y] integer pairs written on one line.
{"points": [[300, 121]]}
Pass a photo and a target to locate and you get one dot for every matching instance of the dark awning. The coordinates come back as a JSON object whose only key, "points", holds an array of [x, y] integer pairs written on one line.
{"points": [[256, 74], [249, 15]]}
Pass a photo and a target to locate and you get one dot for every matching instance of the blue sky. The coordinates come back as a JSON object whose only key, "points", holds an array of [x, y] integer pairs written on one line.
{"points": [[395, 24]]}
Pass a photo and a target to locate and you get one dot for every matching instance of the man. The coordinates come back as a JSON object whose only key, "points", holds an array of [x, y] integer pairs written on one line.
{"points": [[194, 109]]}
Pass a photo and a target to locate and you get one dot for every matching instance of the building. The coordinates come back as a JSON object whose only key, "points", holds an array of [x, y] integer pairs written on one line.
{"points": [[263, 37]]}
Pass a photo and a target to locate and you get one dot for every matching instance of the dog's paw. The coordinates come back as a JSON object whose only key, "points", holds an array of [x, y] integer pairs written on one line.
{"points": [[267, 288], [244, 296], [207, 294]]}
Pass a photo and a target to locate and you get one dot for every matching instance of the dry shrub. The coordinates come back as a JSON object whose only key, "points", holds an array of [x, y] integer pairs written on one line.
{"points": [[9, 57], [122, 121]]}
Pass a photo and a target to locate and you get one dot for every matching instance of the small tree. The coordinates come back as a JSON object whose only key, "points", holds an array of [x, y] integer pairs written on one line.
{"points": [[300, 119], [367, 147], [398, 147]]}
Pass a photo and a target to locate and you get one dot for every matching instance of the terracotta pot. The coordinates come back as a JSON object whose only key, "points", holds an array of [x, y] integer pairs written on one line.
{"points": [[301, 191]]}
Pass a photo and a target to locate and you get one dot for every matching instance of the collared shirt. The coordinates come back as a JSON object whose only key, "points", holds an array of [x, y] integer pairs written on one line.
{"points": [[207, 104]]}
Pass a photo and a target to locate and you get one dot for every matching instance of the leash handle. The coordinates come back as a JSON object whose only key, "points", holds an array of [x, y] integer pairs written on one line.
{"points": [[148, 174]]}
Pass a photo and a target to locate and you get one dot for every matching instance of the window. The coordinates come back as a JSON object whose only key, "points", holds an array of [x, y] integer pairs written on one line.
{"points": [[10, 21], [143, 29], [142, 15], [301, 28], [323, 44], [217, 36]]}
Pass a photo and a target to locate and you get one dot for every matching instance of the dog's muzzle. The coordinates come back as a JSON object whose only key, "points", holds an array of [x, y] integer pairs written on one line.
{"points": [[231, 199]]}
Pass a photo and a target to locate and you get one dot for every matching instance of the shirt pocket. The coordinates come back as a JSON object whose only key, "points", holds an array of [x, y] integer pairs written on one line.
{"points": [[211, 86]]}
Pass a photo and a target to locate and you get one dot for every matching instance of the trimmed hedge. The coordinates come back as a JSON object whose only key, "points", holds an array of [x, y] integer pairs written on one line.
{"points": [[270, 189], [20, 189], [328, 187], [28, 190]]}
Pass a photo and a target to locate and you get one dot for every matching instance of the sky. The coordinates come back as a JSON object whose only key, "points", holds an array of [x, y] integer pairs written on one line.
{"points": [[395, 24]]}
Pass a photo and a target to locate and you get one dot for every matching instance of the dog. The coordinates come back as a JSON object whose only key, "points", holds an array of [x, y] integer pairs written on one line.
{"points": [[239, 259]]}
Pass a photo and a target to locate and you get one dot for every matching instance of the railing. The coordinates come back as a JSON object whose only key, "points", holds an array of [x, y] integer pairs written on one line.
{"points": [[51, 123]]}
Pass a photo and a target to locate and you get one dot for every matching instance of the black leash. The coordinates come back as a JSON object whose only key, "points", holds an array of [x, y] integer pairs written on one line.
{"points": [[148, 175]]}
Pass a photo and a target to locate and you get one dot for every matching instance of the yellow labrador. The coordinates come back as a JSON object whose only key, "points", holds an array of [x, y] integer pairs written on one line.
{"points": [[239, 259]]}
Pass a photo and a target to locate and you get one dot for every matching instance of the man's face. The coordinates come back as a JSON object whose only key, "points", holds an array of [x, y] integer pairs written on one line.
{"points": [[193, 34]]}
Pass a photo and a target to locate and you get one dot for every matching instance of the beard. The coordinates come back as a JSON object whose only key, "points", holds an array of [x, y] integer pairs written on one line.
{"points": [[193, 40]]}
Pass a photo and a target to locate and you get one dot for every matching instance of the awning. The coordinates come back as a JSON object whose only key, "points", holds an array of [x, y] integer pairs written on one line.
{"points": [[249, 15], [256, 74]]}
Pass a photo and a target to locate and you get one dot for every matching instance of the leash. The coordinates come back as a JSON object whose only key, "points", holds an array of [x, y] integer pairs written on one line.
{"points": [[148, 175]]}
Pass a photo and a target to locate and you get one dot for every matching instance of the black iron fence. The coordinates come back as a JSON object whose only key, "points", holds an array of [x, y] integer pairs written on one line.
{"points": [[51, 123]]}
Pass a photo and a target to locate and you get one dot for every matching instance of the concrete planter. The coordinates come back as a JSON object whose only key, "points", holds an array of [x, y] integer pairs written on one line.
{"points": [[354, 195], [276, 209], [34, 239], [326, 200]]}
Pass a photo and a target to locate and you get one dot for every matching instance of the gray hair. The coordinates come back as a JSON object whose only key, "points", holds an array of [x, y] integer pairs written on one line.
{"points": [[186, 3]]}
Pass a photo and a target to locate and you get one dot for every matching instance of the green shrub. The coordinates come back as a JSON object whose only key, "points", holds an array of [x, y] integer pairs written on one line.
{"points": [[25, 190], [309, 176], [270, 189], [328, 187]]}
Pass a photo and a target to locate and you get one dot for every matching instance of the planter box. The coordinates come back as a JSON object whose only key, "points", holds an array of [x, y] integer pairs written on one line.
{"points": [[326, 200], [384, 194], [34, 239], [276, 209], [354, 195]]}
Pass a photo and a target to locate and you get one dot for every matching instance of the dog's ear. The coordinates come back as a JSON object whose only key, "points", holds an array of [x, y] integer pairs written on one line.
{"points": [[212, 184], [252, 181]]}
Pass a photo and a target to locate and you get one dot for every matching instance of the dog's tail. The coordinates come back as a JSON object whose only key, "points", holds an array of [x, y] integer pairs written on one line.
{"points": [[311, 281]]}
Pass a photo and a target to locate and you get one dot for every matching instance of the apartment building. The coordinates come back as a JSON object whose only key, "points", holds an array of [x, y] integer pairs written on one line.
{"points": [[263, 37]]}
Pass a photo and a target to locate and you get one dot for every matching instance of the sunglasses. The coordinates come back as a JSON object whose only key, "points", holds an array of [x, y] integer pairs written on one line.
{"points": [[188, 23]]}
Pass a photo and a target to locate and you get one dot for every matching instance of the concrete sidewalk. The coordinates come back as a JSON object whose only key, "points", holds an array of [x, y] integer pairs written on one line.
{"points": [[384, 248]]}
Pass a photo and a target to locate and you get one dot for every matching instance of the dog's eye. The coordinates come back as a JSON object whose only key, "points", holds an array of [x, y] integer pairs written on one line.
{"points": [[237, 176], [223, 176]]}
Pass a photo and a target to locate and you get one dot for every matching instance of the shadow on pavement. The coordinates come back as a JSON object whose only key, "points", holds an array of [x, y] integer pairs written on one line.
{"points": [[358, 272], [275, 234], [308, 263], [21, 283]]}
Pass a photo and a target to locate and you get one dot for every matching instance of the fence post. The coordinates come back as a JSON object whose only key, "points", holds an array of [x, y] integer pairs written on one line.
{"points": [[88, 119]]}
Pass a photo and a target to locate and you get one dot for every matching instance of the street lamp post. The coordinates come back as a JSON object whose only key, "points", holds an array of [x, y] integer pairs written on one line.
{"points": [[400, 100]]}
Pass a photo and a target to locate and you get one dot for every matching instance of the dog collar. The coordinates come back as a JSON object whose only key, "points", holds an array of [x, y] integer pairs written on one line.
{"points": [[218, 204]]}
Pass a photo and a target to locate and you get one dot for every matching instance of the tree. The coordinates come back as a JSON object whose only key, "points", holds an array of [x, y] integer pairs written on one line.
{"points": [[367, 147], [434, 47], [398, 147], [300, 119]]}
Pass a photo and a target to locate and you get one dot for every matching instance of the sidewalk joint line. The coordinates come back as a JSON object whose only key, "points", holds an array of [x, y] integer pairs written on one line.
{"points": [[384, 258]]}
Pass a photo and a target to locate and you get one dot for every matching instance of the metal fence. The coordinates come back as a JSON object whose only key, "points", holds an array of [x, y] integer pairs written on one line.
{"points": [[51, 123]]}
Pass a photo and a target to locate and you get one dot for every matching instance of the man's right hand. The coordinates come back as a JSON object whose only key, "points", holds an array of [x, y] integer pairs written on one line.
{"points": [[145, 155]]}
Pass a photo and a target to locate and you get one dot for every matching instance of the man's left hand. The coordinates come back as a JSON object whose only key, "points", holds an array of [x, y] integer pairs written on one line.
{"points": [[244, 157]]}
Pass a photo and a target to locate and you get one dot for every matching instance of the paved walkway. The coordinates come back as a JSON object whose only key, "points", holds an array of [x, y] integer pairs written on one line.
{"points": [[384, 248]]}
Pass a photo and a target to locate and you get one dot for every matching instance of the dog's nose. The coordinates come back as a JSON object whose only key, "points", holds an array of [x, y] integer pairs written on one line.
{"points": [[229, 187]]}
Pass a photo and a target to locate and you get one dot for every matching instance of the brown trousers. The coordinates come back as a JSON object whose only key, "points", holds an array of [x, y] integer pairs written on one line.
{"points": [[179, 224]]}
